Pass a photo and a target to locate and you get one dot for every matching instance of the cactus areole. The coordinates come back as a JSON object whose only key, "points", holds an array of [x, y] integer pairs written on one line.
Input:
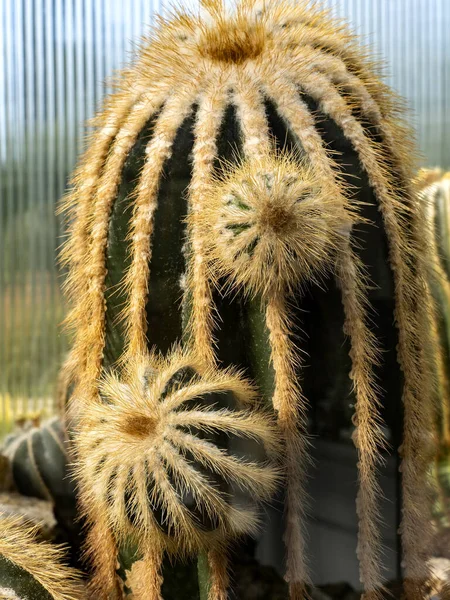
{"points": [[246, 194]]}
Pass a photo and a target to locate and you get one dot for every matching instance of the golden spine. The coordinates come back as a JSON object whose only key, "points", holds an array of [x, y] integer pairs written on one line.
{"points": [[219, 578], [287, 397], [201, 323], [291, 410], [136, 279], [209, 119], [101, 554], [145, 578], [368, 437]]}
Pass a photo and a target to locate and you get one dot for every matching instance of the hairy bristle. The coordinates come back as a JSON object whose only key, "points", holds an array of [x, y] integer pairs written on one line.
{"points": [[145, 577], [232, 42], [100, 553], [207, 126], [218, 564], [291, 409], [44, 561]]}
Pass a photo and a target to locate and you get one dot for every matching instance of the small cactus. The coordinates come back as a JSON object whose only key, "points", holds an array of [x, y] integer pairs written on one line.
{"points": [[39, 461], [39, 467], [156, 460], [251, 177], [271, 225]]}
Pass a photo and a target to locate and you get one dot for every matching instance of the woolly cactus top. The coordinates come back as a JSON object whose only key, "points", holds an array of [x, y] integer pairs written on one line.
{"points": [[263, 77]]}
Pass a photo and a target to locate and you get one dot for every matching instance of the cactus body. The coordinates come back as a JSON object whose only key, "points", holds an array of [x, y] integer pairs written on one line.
{"points": [[245, 192]]}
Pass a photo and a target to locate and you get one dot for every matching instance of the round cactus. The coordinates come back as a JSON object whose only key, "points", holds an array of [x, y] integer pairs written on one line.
{"points": [[156, 455], [272, 225], [186, 226], [39, 462]]}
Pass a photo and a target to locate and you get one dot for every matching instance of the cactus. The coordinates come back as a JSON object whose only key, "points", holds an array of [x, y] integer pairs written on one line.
{"points": [[434, 186], [39, 466], [152, 445], [31, 570], [435, 194], [39, 462], [250, 179]]}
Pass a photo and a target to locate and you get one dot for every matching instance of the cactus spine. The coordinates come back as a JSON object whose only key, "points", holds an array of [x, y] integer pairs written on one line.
{"points": [[223, 107]]}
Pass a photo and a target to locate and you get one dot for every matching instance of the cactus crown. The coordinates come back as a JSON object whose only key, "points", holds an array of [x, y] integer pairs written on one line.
{"points": [[277, 68]]}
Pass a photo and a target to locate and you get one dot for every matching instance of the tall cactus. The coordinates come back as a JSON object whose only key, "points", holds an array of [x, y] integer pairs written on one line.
{"points": [[248, 184], [34, 570]]}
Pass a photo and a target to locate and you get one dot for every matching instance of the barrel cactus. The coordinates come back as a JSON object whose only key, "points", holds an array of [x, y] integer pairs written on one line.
{"points": [[246, 190]]}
